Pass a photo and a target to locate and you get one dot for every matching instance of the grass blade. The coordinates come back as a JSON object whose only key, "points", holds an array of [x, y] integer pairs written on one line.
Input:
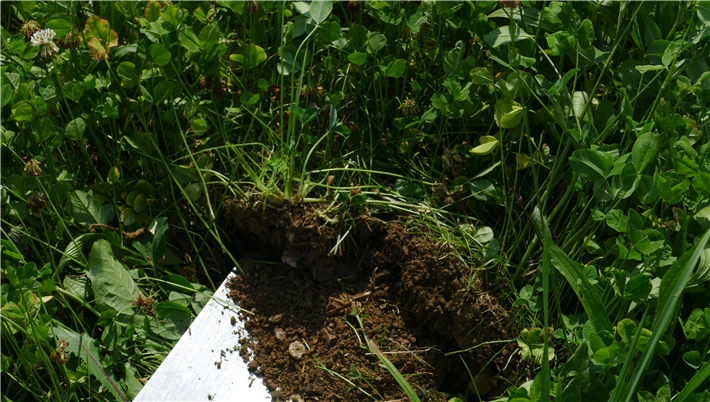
{"points": [[700, 376], [672, 286], [541, 226], [395, 373]]}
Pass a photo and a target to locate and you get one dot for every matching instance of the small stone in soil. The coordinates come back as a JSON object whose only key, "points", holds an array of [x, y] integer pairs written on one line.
{"points": [[234, 320], [296, 349], [276, 318], [253, 365], [280, 334]]}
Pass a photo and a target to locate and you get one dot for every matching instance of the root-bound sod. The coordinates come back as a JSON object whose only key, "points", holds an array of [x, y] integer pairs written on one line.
{"points": [[414, 299]]}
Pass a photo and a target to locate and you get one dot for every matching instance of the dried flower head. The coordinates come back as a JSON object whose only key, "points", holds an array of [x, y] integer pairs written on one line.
{"points": [[512, 4], [59, 354], [29, 28], [71, 40], [37, 201], [353, 6], [45, 38], [252, 7], [32, 168], [409, 108]]}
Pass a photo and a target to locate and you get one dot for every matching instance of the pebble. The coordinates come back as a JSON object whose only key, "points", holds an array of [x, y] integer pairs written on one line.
{"points": [[296, 349]]}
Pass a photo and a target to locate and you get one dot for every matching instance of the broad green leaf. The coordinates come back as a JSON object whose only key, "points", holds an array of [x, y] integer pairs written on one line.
{"points": [[504, 35], [114, 288], [253, 56], [560, 43], [60, 26], [320, 10], [23, 112], [86, 210], [189, 40], [454, 58], [127, 70], [488, 145], [558, 16], [638, 288], [6, 95], [645, 150], [173, 15], [358, 58], [236, 6], [152, 11], [591, 165], [159, 54], [483, 190], [375, 42], [173, 319], [209, 36], [395, 68], [176, 283], [102, 37], [76, 248], [199, 125], [508, 114], [75, 129]]}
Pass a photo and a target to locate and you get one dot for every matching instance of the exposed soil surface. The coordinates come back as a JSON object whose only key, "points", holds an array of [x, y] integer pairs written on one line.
{"points": [[303, 338]]}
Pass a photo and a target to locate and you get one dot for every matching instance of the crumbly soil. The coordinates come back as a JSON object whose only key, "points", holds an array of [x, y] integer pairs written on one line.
{"points": [[410, 292]]}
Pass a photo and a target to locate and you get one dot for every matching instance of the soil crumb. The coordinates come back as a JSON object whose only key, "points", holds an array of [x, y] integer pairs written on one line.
{"points": [[309, 275]]}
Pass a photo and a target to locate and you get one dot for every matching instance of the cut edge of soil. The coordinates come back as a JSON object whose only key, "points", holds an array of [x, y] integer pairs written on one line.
{"points": [[303, 340]]}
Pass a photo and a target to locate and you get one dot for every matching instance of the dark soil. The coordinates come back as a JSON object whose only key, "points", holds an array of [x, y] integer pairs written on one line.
{"points": [[412, 303]]}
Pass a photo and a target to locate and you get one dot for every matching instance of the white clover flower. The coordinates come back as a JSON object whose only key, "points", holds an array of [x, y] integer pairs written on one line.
{"points": [[45, 38]]}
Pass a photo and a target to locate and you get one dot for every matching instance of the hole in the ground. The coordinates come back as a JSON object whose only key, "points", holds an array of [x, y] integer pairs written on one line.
{"points": [[408, 293]]}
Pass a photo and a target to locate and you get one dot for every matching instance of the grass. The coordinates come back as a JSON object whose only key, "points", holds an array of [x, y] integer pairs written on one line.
{"points": [[569, 137]]}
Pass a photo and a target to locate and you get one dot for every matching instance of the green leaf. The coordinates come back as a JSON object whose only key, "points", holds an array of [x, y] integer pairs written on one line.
{"points": [[60, 26], [483, 190], [591, 165], [638, 288], [152, 11], [504, 35], [209, 36], [320, 10], [173, 319], [75, 129], [488, 145], [236, 6], [6, 95], [358, 58], [645, 151], [560, 43], [189, 40], [127, 70], [23, 112], [558, 16], [454, 58], [173, 15], [114, 288], [199, 126], [508, 114], [395, 68], [252, 57], [160, 54], [375, 42], [408, 188], [86, 210]]}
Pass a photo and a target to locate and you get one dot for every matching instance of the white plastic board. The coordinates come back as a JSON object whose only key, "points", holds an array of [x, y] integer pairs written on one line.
{"points": [[189, 373]]}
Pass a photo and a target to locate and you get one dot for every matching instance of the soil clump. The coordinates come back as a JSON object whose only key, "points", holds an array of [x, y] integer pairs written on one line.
{"points": [[309, 274]]}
